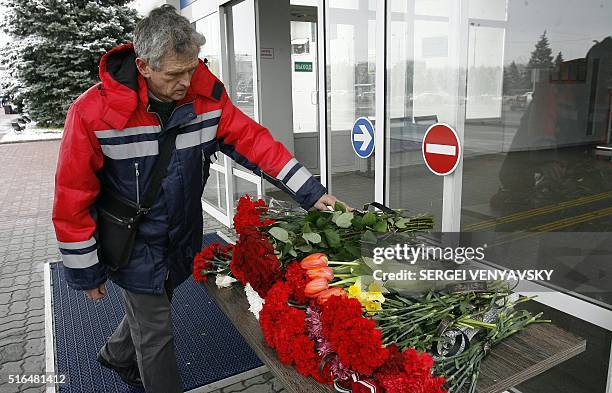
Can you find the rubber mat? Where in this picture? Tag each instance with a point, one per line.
(208, 347)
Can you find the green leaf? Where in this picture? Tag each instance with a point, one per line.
(312, 237)
(353, 250)
(401, 222)
(344, 220)
(380, 226)
(322, 221)
(287, 250)
(369, 237)
(292, 252)
(369, 219)
(332, 237)
(338, 206)
(358, 222)
(279, 234)
(306, 228)
(305, 248)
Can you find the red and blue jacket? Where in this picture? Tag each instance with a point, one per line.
(111, 137)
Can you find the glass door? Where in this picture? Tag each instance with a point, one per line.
(214, 198)
(304, 66)
(242, 83)
(350, 52)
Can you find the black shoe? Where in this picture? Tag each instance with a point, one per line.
(129, 375)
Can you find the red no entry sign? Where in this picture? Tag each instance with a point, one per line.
(441, 149)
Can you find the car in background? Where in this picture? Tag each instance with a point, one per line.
(521, 101)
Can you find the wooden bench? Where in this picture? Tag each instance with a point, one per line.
(517, 359)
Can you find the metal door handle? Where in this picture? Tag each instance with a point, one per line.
(314, 97)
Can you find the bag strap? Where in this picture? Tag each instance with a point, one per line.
(160, 170)
(380, 206)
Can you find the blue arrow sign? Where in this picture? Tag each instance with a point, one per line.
(362, 137)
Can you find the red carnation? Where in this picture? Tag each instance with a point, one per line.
(254, 262)
(249, 214)
(213, 259)
(354, 338)
(297, 278)
(202, 262)
(409, 372)
(284, 329)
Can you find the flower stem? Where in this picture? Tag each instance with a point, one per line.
(475, 323)
(345, 281)
(343, 263)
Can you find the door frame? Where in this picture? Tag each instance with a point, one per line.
(225, 165)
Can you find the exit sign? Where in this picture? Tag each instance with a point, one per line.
(303, 66)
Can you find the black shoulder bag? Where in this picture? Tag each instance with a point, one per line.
(119, 217)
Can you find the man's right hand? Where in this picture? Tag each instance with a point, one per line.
(96, 293)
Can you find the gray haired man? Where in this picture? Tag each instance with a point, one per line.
(152, 90)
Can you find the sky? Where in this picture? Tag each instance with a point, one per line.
(570, 27)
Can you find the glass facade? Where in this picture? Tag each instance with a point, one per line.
(538, 107)
(528, 87)
(538, 113)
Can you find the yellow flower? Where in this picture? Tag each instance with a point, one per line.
(354, 291)
(372, 300)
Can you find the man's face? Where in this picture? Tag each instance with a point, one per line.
(171, 81)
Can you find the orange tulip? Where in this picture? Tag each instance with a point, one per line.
(323, 296)
(314, 287)
(313, 261)
(324, 272)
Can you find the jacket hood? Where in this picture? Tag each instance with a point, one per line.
(125, 89)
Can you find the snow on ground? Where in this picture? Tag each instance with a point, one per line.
(32, 133)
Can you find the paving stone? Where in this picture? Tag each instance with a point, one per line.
(36, 303)
(259, 388)
(7, 282)
(20, 294)
(33, 389)
(12, 352)
(27, 171)
(277, 387)
(259, 379)
(5, 298)
(18, 307)
(9, 388)
(10, 368)
(237, 387)
(34, 364)
(35, 346)
(23, 280)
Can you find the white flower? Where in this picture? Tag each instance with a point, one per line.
(224, 281)
(255, 301)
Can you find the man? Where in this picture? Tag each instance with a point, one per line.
(111, 137)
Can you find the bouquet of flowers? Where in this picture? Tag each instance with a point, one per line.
(324, 314)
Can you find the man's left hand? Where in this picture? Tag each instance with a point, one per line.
(326, 201)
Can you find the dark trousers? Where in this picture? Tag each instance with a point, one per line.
(145, 336)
